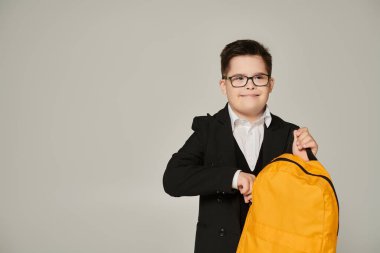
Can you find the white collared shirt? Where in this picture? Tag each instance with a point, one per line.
(249, 137)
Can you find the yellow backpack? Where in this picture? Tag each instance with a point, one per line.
(294, 209)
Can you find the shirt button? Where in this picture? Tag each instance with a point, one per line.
(221, 232)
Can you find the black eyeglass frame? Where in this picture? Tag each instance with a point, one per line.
(248, 78)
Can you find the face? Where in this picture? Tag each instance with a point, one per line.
(247, 102)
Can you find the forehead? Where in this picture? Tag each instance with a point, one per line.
(247, 64)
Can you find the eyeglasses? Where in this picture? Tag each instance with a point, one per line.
(238, 81)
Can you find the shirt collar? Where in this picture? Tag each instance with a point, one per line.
(266, 116)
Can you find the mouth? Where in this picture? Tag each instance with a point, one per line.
(249, 95)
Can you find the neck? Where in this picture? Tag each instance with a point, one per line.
(250, 117)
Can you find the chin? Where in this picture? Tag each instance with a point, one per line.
(247, 107)
(251, 107)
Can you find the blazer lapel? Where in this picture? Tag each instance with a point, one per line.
(224, 138)
(273, 139)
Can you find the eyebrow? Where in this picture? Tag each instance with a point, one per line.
(255, 74)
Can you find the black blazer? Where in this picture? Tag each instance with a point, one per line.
(205, 166)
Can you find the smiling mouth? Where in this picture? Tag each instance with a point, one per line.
(250, 95)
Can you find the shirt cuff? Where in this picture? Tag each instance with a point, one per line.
(235, 180)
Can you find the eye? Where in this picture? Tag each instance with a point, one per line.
(237, 78)
(259, 77)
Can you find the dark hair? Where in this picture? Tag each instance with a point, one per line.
(244, 47)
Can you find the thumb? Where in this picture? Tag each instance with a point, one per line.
(244, 187)
(295, 138)
(301, 152)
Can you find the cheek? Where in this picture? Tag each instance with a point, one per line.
(232, 94)
(265, 94)
(266, 98)
(223, 89)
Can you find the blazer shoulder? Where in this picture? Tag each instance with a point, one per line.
(201, 122)
(201, 126)
(282, 123)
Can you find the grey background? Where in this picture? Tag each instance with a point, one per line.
(95, 96)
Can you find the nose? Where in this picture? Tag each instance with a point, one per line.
(250, 85)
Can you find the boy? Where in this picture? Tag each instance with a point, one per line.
(220, 160)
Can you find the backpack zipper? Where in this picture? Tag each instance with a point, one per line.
(321, 176)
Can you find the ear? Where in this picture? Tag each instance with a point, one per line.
(222, 85)
(271, 84)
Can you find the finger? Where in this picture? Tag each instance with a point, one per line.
(298, 150)
(304, 129)
(295, 138)
(301, 130)
(295, 146)
(248, 184)
(244, 193)
(250, 187)
(312, 145)
(244, 187)
(302, 137)
(302, 133)
(298, 144)
(247, 198)
(306, 139)
(309, 143)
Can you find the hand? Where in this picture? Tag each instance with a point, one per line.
(303, 140)
(245, 184)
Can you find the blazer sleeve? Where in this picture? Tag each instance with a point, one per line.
(289, 145)
(187, 175)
